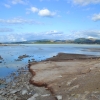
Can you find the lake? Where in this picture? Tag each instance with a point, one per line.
(38, 52)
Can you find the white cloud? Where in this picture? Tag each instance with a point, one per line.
(86, 34)
(50, 35)
(19, 21)
(34, 9)
(85, 2)
(19, 1)
(7, 6)
(6, 30)
(31, 36)
(41, 12)
(46, 13)
(12, 37)
(96, 17)
(54, 32)
(48, 0)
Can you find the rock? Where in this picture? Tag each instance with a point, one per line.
(24, 92)
(74, 87)
(87, 70)
(32, 92)
(71, 81)
(1, 92)
(60, 76)
(96, 92)
(14, 98)
(45, 95)
(33, 97)
(86, 92)
(1, 58)
(4, 93)
(59, 97)
(27, 86)
(2, 98)
(23, 56)
(2, 81)
(14, 91)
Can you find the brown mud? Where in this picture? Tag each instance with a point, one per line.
(68, 76)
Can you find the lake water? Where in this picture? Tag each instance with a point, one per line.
(38, 52)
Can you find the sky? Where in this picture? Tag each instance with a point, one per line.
(22, 20)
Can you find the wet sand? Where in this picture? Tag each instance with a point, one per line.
(68, 76)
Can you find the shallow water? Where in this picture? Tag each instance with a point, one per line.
(38, 52)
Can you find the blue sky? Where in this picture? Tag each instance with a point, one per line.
(22, 20)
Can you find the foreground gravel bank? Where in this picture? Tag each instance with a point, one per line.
(20, 88)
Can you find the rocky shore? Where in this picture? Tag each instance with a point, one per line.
(19, 88)
(62, 77)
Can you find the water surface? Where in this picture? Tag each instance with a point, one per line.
(38, 52)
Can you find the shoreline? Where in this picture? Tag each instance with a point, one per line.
(23, 89)
(37, 71)
(20, 88)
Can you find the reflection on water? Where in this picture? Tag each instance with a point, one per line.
(38, 52)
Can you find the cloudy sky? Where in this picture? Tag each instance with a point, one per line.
(22, 20)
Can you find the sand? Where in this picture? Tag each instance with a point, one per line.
(68, 76)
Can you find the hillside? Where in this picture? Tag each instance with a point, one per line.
(46, 41)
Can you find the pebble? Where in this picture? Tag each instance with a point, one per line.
(33, 97)
(59, 97)
(74, 87)
(24, 92)
(45, 95)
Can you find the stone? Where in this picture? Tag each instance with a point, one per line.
(60, 76)
(1, 92)
(45, 95)
(87, 70)
(74, 87)
(2, 98)
(33, 97)
(86, 92)
(27, 86)
(4, 93)
(95, 92)
(59, 97)
(24, 92)
(71, 81)
(14, 91)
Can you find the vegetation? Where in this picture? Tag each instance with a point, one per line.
(76, 41)
(86, 41)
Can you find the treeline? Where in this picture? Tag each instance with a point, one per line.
(45, 41)
(86, 41)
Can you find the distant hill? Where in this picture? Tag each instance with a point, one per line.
(46, 41)
(87, 41)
